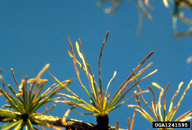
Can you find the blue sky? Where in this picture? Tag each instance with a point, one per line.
(33, 33)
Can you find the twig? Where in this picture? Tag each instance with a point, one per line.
(70, 123)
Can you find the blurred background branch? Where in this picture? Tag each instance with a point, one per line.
(143, 6)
